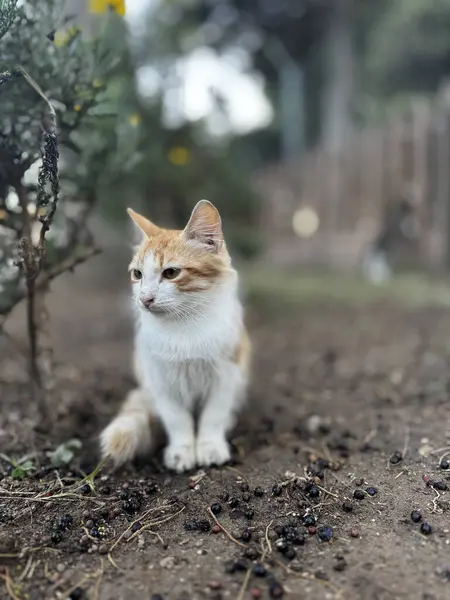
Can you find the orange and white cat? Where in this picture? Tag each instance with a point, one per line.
(191, 347)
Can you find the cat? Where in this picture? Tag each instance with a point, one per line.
(192, 350)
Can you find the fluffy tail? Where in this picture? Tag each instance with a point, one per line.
(129, 434)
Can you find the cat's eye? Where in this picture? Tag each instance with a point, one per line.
(170, 273)
(136, 274)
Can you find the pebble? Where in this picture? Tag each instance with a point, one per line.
(258, 491)
(89, 524)
(255, 592)
(355, 533)
(224, 496)
(296, 566)
(168, 562)
(103, 549)
(309, 521)
(60, 568)
(347, 506)
(216, 529)
(156, 597)
(127, 534)
(359, 481)
(246, 497)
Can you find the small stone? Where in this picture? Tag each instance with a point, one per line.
(216, 529)
(224, 496)
(312, 530)
(57, 537)
(359, 482)
(245, 487)
(246, 497)
(233, 502)
(426, 529)
(341, 564)
(252, 553)
(355, 533)
(290, 553)
(258, 491)
(359, 495)
(86, 514)
(89, 524)
(156, 597)
(255, 592)
(416, 516)
(103, 549)
(167, 563)
(440, 485)
(314, 492)
(325, 534)
(246, 535)
(60, 568)
(127, 535)
(84, 540)
(296, 566)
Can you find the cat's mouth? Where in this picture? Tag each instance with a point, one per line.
(153, 309)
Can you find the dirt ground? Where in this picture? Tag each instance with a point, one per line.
(346, 396)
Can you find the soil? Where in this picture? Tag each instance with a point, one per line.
(345, 397)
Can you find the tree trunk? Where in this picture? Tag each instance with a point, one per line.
(340, 79)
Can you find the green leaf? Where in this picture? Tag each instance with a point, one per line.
(64, 453)
(18, 473)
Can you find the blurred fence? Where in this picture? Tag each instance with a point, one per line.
(345, 193)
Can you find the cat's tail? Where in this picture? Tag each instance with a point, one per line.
(129, 434)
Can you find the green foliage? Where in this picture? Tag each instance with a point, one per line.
(21, 466)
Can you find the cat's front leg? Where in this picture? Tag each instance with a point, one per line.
(218, 415)
(178, 421)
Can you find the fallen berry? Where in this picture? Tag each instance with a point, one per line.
(444, 464)
(426, 529)
(325, 534)
(312, 530)
(234, 502)
(359, 495)
(246, 535)
(76, 594)
(277, 490)
(259, 570)
(258, 491)
(255, 593)
(282, 546)
(214, 585)
(276, 590)
(249, 514)
(440, 485)
(416, 516)
(396, 458)
(216, 529)
(85, 489)
(136, 526)
(314, 492)
(157, 597)
(57, 537)
(309, 520)
(245, 487)
(371, 491)
(216, 508)
(290, 553)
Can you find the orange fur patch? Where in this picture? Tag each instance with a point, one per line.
(242, 351)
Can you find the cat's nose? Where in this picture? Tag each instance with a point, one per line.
(147, 301)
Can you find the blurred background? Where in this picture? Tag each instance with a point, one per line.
(320, 129)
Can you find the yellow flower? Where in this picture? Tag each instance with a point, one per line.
(64, 36)
(77, 107)
(97, 82)
(3, 214)
(134, 119)
(179, 156)
(102, 6)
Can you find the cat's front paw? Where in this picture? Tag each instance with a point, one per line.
(179, 457)
(212, 451)
(119, 441)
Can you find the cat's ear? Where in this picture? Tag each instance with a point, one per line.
(204, 228)
(142, 223)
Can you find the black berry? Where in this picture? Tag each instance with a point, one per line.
(359, 495)
(246, 535)
(371, 491)
(276, 590)
(259, 570)
(76, 594)
(396, 458)
(216, 508)
(325, 534)
(426, 529)
(57, 537)
(347, 506)
(95, 532)
(282, 546)
(156, 597)
(416, 516)
(203, 525)
(444, 464)
(277, 490)
(440, 485)
(245, 487)
(259, 492)
(85, 489)
(309, 521)
(234, 502)
(249, 514)
(314, 491)
(290, 553)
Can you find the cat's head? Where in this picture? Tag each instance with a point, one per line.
(175, 273)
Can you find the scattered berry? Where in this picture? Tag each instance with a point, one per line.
(76, 594)
(216, 508)
(136, 526)
(251, 553)
(426, 529)
(312, 530)
(440, 485)
(131, 505)
(277, 490)
(57, 537)
(276, 590)
(314, 492)
(255, 592)
(282, 546)
(246, 535)
(157, 597)
(290, 553)
(234, 502)
(249, 514)
(259, 570)
(396, 457)
(94, 532)
(214, 585)
(309, 521)
(372, 491)
(359, 495)
(325, 534)
(65, 522)
(216, 529)
(245, 487)
(444, 464)
(85, 489)
(259, 492)
(416, 516)
(347, 506)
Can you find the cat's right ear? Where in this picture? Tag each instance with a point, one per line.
(142, 223)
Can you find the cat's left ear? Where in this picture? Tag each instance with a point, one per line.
(205, 227)
(142, 223)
